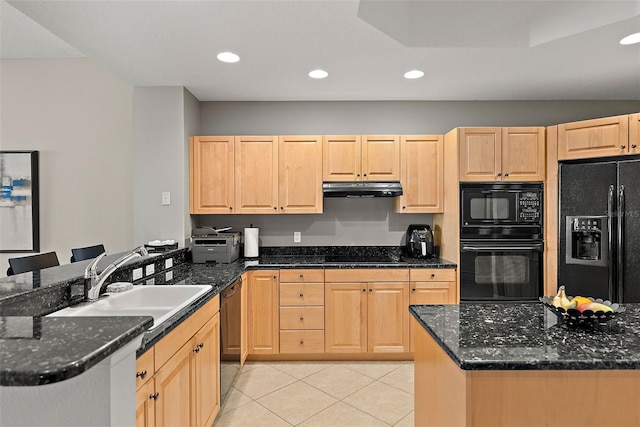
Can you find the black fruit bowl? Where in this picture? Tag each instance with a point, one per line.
(573, 317)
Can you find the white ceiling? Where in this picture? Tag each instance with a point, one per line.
(469, 50)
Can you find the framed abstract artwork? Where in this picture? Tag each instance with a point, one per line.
(19, 202)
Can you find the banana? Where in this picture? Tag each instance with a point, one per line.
(557, 300)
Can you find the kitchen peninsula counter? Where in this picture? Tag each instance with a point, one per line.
(27, 337)
(515, 364)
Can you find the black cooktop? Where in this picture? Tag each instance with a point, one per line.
(357, 259)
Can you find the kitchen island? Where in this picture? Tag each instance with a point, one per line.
(515, 365)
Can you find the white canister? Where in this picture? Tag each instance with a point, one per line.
(251, 242)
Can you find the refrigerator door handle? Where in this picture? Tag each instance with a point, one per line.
(620, 251)
(610, 216)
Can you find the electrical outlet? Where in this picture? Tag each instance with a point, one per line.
(168, 263)
(297, 237)
(150, 282)
(166, 198)
(137, 273)
(149, 269)
(168, 276)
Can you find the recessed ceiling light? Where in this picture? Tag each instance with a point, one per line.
(228, 57)
(413, 74)
(631, 39)
(318, 74)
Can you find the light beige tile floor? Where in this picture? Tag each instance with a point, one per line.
(320, 394)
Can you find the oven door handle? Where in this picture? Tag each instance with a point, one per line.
(537, 247)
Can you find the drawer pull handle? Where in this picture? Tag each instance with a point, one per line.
(142, 374)
(154, 396)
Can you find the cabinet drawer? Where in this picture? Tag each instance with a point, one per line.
(301, 276)
(145, 367)
(301, 317)
(367, 275)
(301, 294)
(433, 275)
(301, 341)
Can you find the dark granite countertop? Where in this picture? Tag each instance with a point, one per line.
(37, 349)
(529, 337)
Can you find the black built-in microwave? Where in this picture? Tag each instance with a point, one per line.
(501, 210)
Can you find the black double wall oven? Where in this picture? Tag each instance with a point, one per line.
(501, 242)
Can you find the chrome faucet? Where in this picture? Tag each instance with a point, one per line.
(94, 281)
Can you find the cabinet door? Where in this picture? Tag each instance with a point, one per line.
(480, 154)
(380, 158)
(346, 318)
(300, 172)
(388, 323)
(211, 174)
(256, 180)
(523, 154)
(634, 133)
(421, 174)
(145, 405)
(263, 312)
(206, 377)
(174, 402)
(341, 158)
(593, 138)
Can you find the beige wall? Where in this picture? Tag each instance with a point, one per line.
(79, 116)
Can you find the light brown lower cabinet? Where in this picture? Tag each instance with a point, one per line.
(366, 311)
(263, 329)
(183, 388)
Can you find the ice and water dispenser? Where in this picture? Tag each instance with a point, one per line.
(587, 240)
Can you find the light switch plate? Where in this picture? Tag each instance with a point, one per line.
(137, 273)
(297, 237)
(166, 198)
(168, 276)
(168, 263)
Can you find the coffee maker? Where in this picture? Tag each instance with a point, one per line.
(419, 241)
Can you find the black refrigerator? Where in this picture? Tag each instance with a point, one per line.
(599, 253)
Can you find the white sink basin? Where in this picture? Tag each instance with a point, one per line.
(160, 302)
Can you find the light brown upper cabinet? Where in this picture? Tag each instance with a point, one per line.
(361, 158)
(256, 183)
(634, 133)
(300, 174)
(502, 154)
(421, 174)
(595, 138)
(211, 174)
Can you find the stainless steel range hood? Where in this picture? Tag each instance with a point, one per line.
(362, 189)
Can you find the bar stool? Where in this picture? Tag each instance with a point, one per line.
(89, 252)
(32, 262)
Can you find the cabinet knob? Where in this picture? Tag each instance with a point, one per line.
(274, 277)
(364, 290)
(302, 276)
(230, 208)
(622, 147)
(275, 208)
(413, 289)
(196, 350)
(370, 290)
(433, 275)
(154, 396)
(506, 174)
(301, 342)
(404, 207)
(142, 374)
(281, 207)
(201, 345)
(499, 173)
(633, 145)
(301, 319)
(365, 174)
(301, 295)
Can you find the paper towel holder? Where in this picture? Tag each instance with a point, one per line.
(251, 242)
